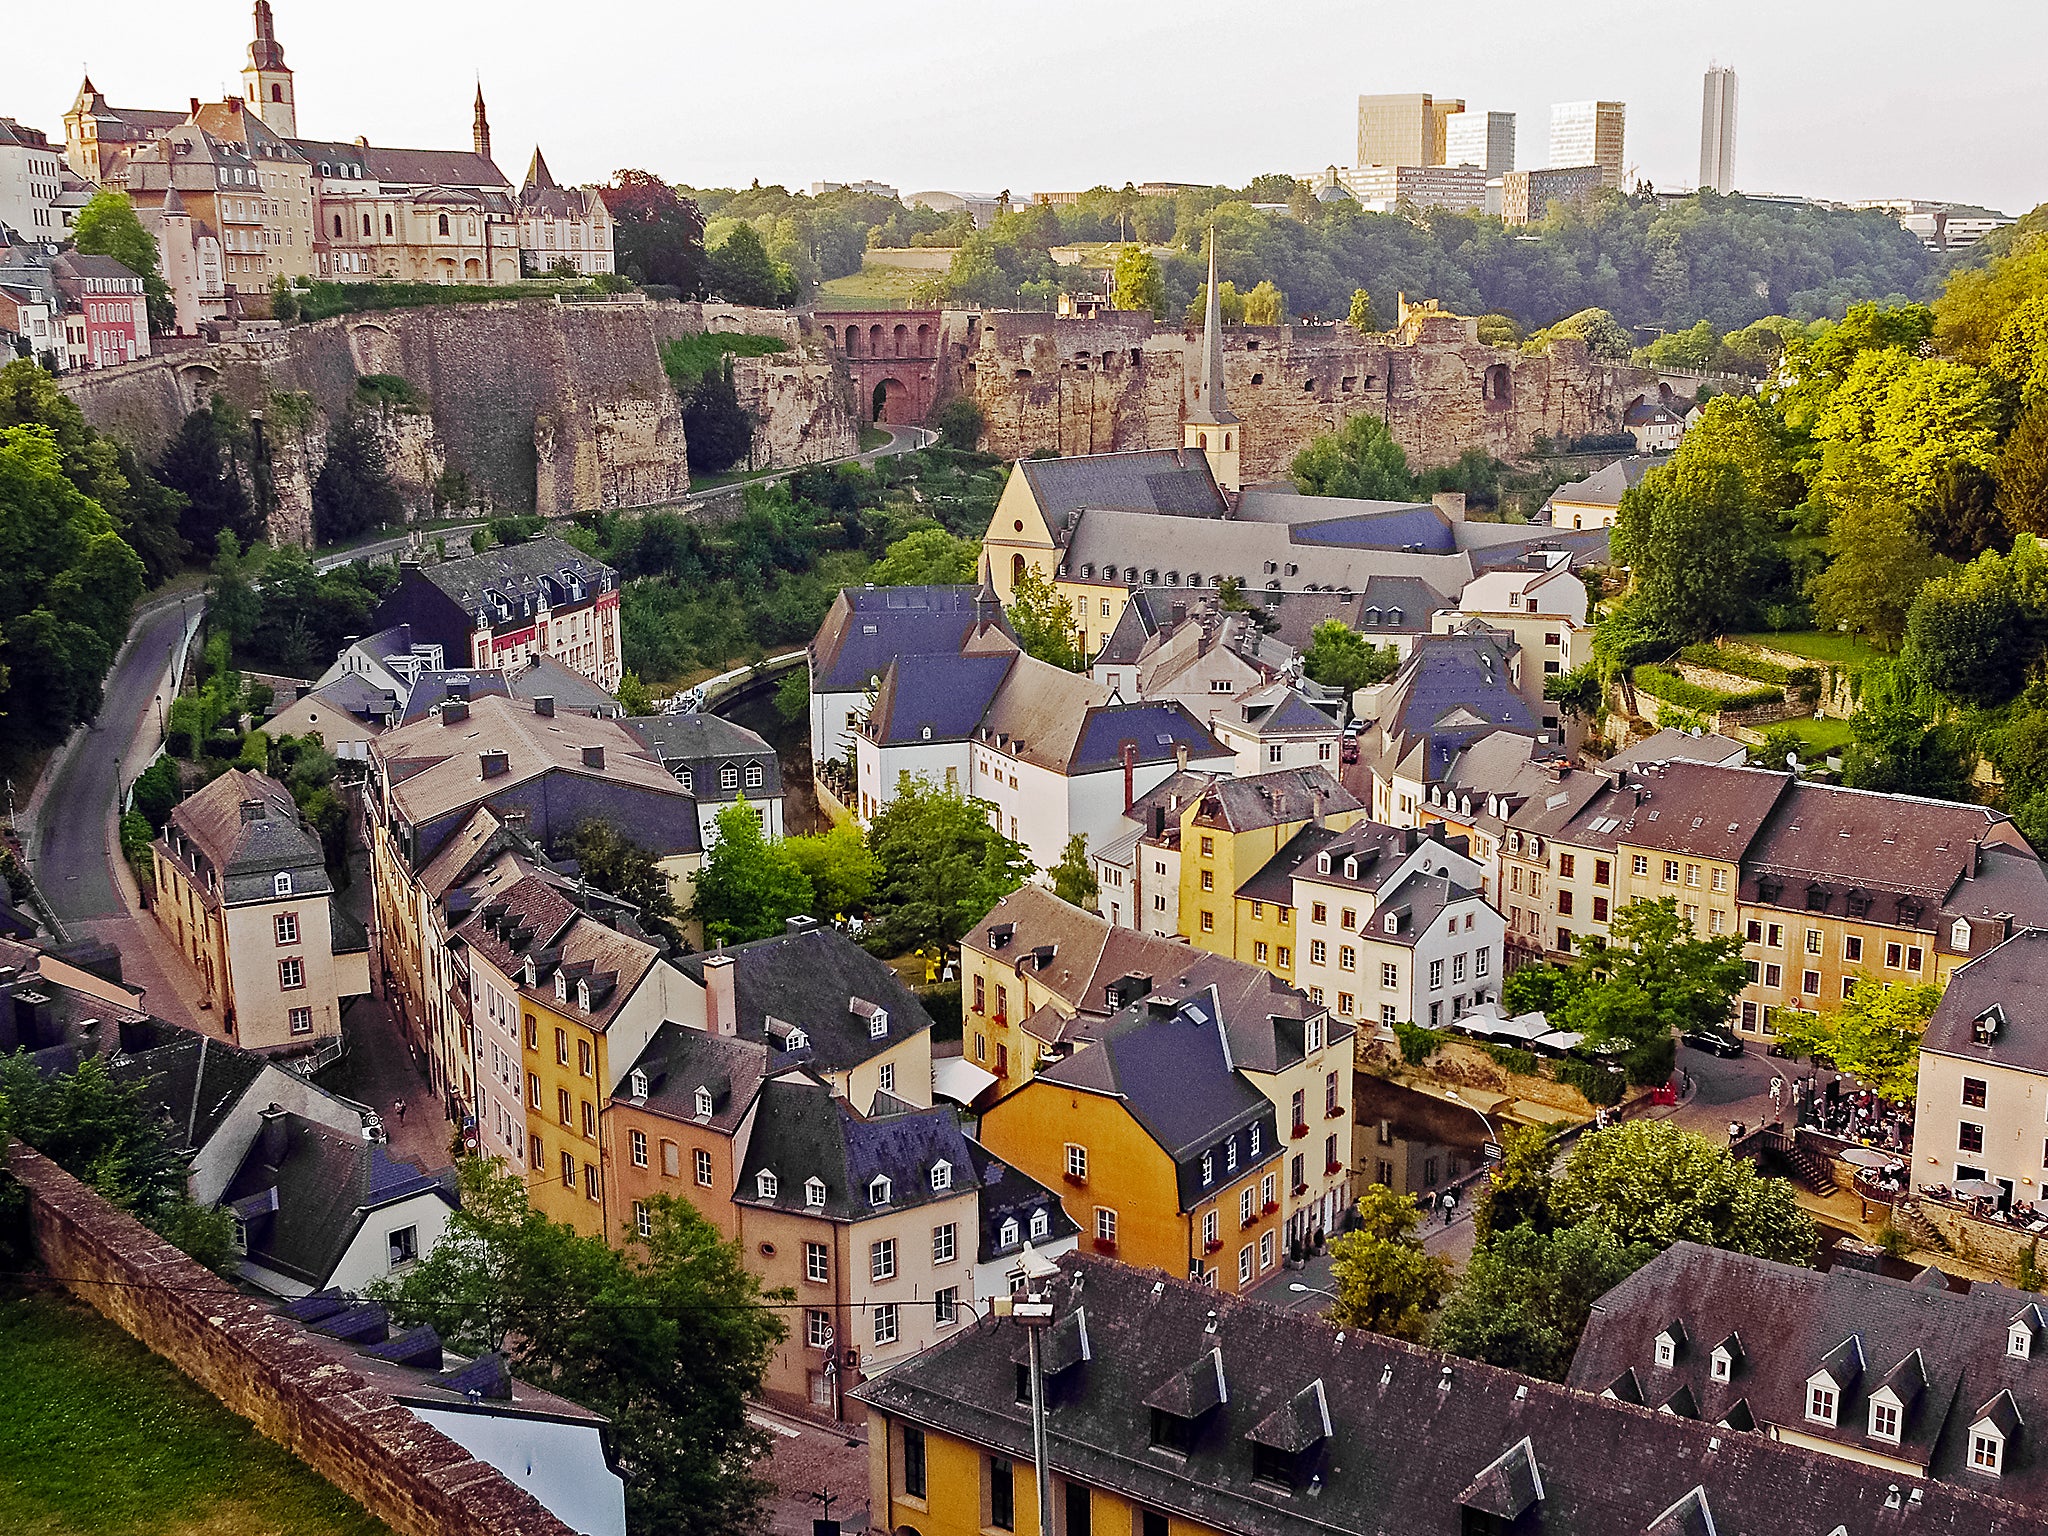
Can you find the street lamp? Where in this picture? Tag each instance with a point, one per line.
(1313, 1290)
(1034, 1310)
(1491, 1139)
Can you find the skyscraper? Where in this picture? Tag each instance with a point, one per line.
(1717, 130)
(1481, 138)
(1589, 133)
(1403, 130)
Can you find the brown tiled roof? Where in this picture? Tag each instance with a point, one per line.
(533, 920)
(1694, 808)
(1087, 952)
(1893, 843)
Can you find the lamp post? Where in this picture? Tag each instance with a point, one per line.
(1034, 1310)
(1491, 1139)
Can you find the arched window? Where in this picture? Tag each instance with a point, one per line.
(277, 93)
(366, 226)
(444, 224)
(337, 226)
(1226, 440)
(387, 225)
(1016, 569)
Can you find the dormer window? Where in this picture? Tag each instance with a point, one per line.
(1726, 1356)
(1391, 923)
(2019, 1343)
(1987, 1451)
(1667, 1348)
(1351, 869)
(638, 1084)
(814, 1193)
(1959, 935)
(281, 885)
(1884, 1421)
(1208, 1169)
(766, 1185)
(1822, 1401)
(561, 987)
(942, 1175)
(1006, 1235)
(583, 996)
(703, 1102)
(1041, 1223)
(688, 780)
(878, 1026)
(878, 1190)
(1322, 863)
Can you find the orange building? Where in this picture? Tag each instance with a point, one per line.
(677, 1125)
(1163, 1152)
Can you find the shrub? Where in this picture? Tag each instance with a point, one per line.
(1417, 1043)
(320, 301)
(389, 389)
(1740, 663)
(1522, 1063)
(689, 359)
(1664, 684)
(959, 422)
(1600, 1086)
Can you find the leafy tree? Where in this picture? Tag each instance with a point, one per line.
(1073, 878)
(749, 887)
(1497, 330)
(719, 431)
(1874, 1036)
(927, 557)
(1973, 633)
(1265, 305)
(1363, 318)
(1652, 975)
(108, 226)
(1045, 622)
(657, 234)
(1359, 459)
(621, 867)
(1880, 564)
(1699, 534)
(1385, 1281)
(1576, 693)
(1914, 416)
(157, 792)
(1604, 336)
(353, 492)
(1136, 281)
(1340, 657)
(1647, 1181)
(2022, 474)
(199, 463)
(840, 868)
(1229, 302)
(633, 696)
(959, 423)
(668, 1340)
(1516, 1192)
(793, 694)
(742, 271)
(1526, 1295)
(943, 865)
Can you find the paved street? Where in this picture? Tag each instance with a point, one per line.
(809, 1459)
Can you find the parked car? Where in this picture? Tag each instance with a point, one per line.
(1351, 751)
(1712, 1040)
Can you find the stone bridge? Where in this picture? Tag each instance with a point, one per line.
(893, 356)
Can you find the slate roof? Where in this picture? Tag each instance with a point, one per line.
(192, 1083)
(1451, 690)
(534, 921)
(1278, 710)
(1377, 848)
(905, 621)
(1210, 548)
(1671, 746)
(679, 1060)
(520, 573)
(809, 977)
(701, 744)
(247, 852)
(2011, 978)
(326, 1184)
(1170, 480)
(1008, 1194)
(1412, 1431)
(356, 696)
(1271, 799)
(1420, 529)
(803, 1132)
(543, 677)
(946, 694)
(1157, 731)
(1867, 1331)
(1697, 809)
(1263, 1017)
(1604, 487)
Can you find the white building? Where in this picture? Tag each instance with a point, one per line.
(1717, 130)
(1590, 133)
(1274, 727)
(31, 177)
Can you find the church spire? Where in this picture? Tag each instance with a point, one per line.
(1211, 427)
(480, 129)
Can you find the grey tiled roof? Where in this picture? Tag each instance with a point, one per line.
(1604, 487)
(802, 1132)
(1009, 1193)
(248, 850)
(520, 571)
(868, 627)
(1168, 480)
(679, 1060)
(1411, 1432)
(2013, 979)
(701, 745)
(190, 1083)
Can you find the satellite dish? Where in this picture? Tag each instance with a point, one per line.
(1792, 761)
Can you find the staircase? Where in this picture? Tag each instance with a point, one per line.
(1919, 1231)
(1811, 1170)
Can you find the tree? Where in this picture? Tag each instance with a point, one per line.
(927, 557)
(1647, 1181)
(1517, 1189)
(2022, 473)
(1652, 975)
(1229, 303)
(1073, 878)
(157, 792)
(718, 430)
(1385, 1281)
(353, 492)
(1359, 459)
(1604, 336)
(1577, 693)
(1874, 1036)
(1136, 281)
(742, 271)
(1914, 416)
(1526, 1296)
(657, 234)
(199, 464)
(108, 226)
(793, 694)
(1363, 318)
(668, 1340)
(633, 696)
(1340, 657)
(1879, 566)
(943, 865)
(749, 887)
(959, 423)
(620, 867)
(1973, 633)
(1265, 305)
(1044, 621)
(840, 868)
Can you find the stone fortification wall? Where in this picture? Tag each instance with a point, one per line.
(552, 407)
(1119, 381)
(412, 1477)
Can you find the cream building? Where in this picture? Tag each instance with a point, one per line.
(1983, 1093)
(242, 888)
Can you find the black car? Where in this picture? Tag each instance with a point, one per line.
(1712, 1040)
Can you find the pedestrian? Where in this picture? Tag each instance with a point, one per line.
(1450, 1204)
(399, 1108)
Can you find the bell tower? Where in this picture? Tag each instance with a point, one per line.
(1211, 427)
(267, 80)
(480, 125)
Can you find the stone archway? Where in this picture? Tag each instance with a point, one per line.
(890, 403)
(375, 348)
(195, 384)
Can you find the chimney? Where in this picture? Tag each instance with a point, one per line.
(1451, 504)
(544, 705)
(271, 1138)
(458, 690)
(255, 810)
(802, 924)
(1316, 795)
(721, 1004)
(454, 712)
(195, 106)
(593, 757)
(493, 764)
(1129, 753)
(1180, 757)
(300, 690)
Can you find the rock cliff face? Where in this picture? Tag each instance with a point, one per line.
(548, 407)
(1119, 382)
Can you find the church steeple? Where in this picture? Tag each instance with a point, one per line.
(480, 129)
(267, 79)
(1211, 426)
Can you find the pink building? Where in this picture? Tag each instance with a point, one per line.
(106, 318)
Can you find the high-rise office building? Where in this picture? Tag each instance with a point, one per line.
(1717, 130)
(1403, 130)
(1589, 133)
(1481, 138)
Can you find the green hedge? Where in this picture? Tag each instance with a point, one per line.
(1662, 683)
(1523, 1063)
(322, 301)
(1742, 664)
(689, 358)
(1417, 1043)
(1600, 1086)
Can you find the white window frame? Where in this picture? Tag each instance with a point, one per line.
(882, 1260)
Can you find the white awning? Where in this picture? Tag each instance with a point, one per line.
(958, 1079)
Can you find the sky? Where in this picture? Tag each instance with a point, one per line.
(1840, 99)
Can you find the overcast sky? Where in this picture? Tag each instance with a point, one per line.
(1839, 98)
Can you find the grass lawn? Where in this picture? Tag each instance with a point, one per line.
(1830, 735)
(105, 1439)
(871, 287)
(872, 438)
(1833, 648)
